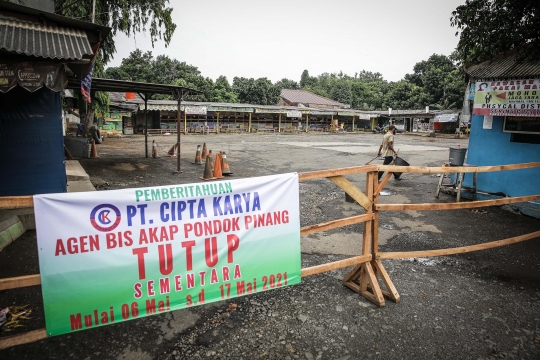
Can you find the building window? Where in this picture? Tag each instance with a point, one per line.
(525, 138)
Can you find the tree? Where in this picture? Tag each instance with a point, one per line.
(440, 81)
(223, 91)
(306, 80)
(341, 92)
(287, 84)
(127, 16)
(489, 27)
(260, 91)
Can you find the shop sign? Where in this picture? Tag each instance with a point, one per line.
(330, 113)
(270, 111)
(195, 110)
(32, 76)
(446, 117)
(508, 97)
(231, 109)
(294, 113)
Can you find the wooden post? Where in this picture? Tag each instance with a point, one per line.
(362, 278)
(279, 123)
(391, 291)
(185, 120)
(249, 123)
(217, 122)
(307, 122)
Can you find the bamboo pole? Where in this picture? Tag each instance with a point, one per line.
(15, 202)
(352, 191)
(26, 338)
(457, 169)
(335, 224)
(336, 172)
(458, 250)
(19, 282)
(454, 206)
(313, 270)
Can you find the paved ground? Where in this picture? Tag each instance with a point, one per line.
(477, 305)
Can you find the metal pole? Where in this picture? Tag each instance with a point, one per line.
(146, 124)
(94, 11)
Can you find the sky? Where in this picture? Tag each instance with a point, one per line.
(281, 38)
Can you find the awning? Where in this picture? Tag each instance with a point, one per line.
(53, 42)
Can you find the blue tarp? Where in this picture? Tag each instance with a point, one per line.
(31, 143)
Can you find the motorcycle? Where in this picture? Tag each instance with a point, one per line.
(379, 130)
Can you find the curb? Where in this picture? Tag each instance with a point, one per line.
(10, 230)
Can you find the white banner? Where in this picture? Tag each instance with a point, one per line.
(294, 113)
(111, 256)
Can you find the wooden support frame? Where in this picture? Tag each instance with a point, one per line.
(368, 269)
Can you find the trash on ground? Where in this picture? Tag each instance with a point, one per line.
(385, 193)
(15, 315)
(479, 211)
(3, 316)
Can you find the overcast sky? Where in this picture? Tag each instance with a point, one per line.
(280, 38)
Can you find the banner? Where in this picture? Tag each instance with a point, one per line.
(294, 113)
(194, 109)
(86, 81)
(510, 97)
(111, 256)
(86, 84)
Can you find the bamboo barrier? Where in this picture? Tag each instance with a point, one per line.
(368, 269)
(16, 202)
(458, 250)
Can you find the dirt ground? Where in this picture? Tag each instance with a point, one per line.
(479, 305)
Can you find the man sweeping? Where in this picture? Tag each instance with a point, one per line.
(387, 150)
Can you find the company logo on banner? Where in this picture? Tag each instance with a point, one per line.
(507, 97)
(125, 254)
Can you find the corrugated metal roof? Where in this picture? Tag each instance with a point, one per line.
(305, 97)
(504, 65)
(52, 42)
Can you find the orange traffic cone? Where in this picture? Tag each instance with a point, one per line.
(172, 150)
(211, 160)
(217, 167)
(208, 170)
(93, 150)
(204, 153)
(198, 160)
(225, 170)
(155, 154)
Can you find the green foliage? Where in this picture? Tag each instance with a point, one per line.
(143, 67)
(287, 84)
(260, 91)
(435, 82)
(126, 16)
(489, 27)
